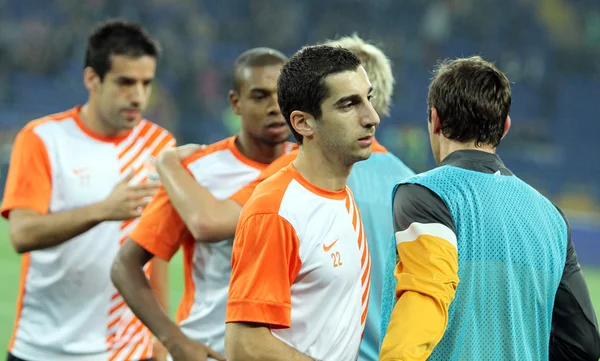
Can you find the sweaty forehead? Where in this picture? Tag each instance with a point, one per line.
(263, 77)
(143, 67)
(347, 83)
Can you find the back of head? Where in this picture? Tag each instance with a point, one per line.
(378, 67)
(301, 85)
(472, 98)
(118, 37)
(255, 57)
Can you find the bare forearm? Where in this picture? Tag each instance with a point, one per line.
(208, 219)
(245, 343)
(135, 289)
(32, 231)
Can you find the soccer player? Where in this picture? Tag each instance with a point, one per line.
(76, 185)
(300, 264)
(521, 295)
(223, 168)
(371, 182)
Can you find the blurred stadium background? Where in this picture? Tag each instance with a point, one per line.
(550, 50)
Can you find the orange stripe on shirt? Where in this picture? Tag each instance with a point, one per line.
(361, 236)
(155, 134)
(141, 344)
(365, 263)
(116, 308)
(365, 274)
(158, 140)
(145, 129)
(125, 344)
(148, 351)
(126, 223)
(113, 323)
(161, 145)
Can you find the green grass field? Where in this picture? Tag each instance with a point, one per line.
(10, 266)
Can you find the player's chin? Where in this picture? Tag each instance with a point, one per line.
(365, 154)
(361, 154)
(130, 122)
(275, 140)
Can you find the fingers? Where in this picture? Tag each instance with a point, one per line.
(212, 353)
(142, 194)
(140, 203)
(187, 150)
(145, 187)
(128, 177)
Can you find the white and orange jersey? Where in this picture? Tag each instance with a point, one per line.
(301, 265)
(223, 170)
(68, 308)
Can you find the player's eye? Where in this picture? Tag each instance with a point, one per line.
(125, 82)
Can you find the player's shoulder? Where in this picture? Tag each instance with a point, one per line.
(378, 148)
(148, 124)
(379, 152)
(210, 149)
(269, 194)
(153, 136)
(279, 163)
(34, 124)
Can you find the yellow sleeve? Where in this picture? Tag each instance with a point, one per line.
(427, 275)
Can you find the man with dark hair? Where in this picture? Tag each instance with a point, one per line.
(300, 279)
(371, 182)
(521, 295)
(76, 186)
(223, 168)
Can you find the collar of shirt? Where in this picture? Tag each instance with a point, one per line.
(476, 160)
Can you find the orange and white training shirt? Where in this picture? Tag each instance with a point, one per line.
(301, 265)
(223, 170)
(67, 308)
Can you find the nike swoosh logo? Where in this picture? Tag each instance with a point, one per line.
(327, 248)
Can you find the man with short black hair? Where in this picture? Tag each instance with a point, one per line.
(76, 186)
(300, 238)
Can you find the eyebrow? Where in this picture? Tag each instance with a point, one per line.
(132, 80)
(262, 90)
(350, 98)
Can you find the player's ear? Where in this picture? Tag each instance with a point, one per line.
(434, 122)
(91, 80)
(303, 123)
(234, 101)
(507, 125)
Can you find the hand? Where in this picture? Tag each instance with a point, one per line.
(179, 153)
(159, 351)
(189, 350)
(126, 201)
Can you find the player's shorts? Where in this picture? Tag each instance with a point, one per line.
(11, 357)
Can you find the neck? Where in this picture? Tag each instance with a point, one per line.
(90, 117)
(323, 172)
(256, 150)
(449, 147)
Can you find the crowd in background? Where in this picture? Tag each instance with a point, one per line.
(550, 50)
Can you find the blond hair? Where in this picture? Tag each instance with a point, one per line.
(378, 67)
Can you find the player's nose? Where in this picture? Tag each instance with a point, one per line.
(370, 117)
